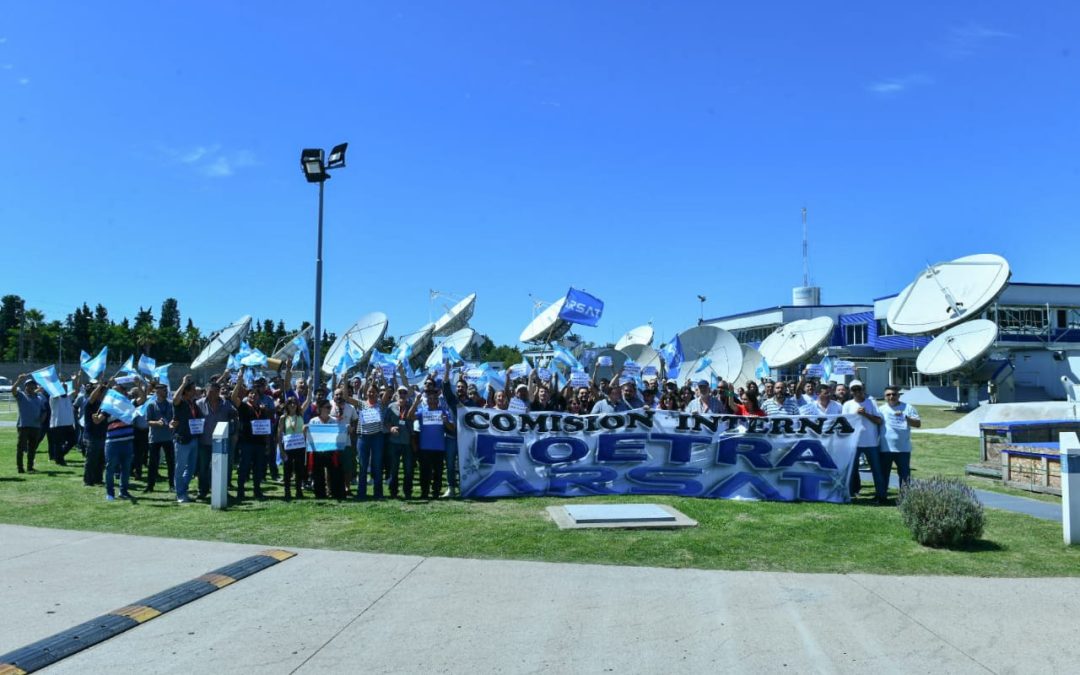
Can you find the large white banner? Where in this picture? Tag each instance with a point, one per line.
(512, 454)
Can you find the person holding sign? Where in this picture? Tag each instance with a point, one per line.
(187, 426)
(434, 420)
(895, 444)
(327, 437)
(254, 436)
(291, 431)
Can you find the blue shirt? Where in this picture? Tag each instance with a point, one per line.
(31, 410)
(160, 410)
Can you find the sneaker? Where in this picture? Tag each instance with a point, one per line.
(447, 493)
(126, 495)
(183, 500)
(110, 498)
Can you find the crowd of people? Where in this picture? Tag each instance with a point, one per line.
(389, 427)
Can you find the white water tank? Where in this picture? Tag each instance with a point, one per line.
(806, 296)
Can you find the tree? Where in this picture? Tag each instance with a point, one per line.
(34, 320)
(192, 340)
(100, 329)
(170, 314)
(11, 316)
(488, 351)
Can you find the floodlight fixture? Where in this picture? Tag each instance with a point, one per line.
(311, 161)
(337, 156)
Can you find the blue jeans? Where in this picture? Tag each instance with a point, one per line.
(903, 469)
(451, 464)
(872, 458)
(186, 456)
(118, 458)
(371, 451)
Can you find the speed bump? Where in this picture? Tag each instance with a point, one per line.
(73, 640)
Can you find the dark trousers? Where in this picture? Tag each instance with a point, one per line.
(29, 437)
(871, 454)
(903, 469)
(117, 461)
(203, 467)
(61, 440)
(327, 468)
(431, 468)
(95, 461)
(155, 460)
(271, 461)
(252, 457)
(395, 453)
(142, 452)
(295, 470)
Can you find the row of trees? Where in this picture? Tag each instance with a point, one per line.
(27, 336)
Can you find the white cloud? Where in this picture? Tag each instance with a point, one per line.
(897, 85)
(195, 154)
(967, 39)
(7, 66)
(210, 160)
(24, 81)
(3, 40)
(219, 168)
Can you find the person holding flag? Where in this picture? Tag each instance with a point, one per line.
(117, 412)
(31, 418)
(433, 418)
(61, 431)
(187, 426)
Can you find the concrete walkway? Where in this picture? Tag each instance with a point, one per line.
(328, 611)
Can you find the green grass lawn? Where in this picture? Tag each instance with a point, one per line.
(733, 535)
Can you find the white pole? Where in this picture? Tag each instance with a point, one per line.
(1070, 487)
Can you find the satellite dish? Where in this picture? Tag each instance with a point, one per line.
(957, 348)
(288, 350)
(367, 332)
(457, 317)
(642, 335)
(224, 342)
(714, 350)
(460, 340)
(617, 360)
(751, 359)
(643, 355)
(948, 293)
(795, 341)
(421, 342)
(547, 325)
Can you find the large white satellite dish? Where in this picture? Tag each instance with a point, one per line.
(709, 350)
(957, 347)
(547, 325)
(421, 342)
(460, 340)
(642, 335)
(751, 359)
(224, 342)
(948, 293)
(457, 317)
(795, 341)
(365, 334)
(643, 355)
(289, 349)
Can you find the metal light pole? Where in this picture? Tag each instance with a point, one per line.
(315, 171)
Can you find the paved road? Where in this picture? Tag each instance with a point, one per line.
(328, 611)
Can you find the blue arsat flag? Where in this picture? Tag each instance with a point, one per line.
(580, 307)
(327, 437)
(563, 355)
(673, 354)
(49, 381)
(118, 405)
(94, 367)
(146, 365)
(380, 359)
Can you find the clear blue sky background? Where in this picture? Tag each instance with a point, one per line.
(645, 151)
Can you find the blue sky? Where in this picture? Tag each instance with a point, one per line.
(647, 152)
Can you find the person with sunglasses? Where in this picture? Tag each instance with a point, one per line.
(433, 418)
(868, 423)
(291, 438)
(895, 448)
(399, 442)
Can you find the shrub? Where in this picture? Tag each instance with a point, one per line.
(941, 512)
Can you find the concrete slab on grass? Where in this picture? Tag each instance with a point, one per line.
(623, 516)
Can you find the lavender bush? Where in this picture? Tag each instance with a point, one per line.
(941, 512)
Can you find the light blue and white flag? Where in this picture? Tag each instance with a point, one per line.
(704, 363)
(49, 381)
(249, 379)
(244, 350)
(146, 365)
(327, 437)
(402, 352)
(345, 362)
(563, 355)
(763, 370)
(161, 374)
(118, 405)
(380, 359)
(129, 366)
(296, 360)
(253, 358)
(233, 363)
(449, 352)
(826, 367)
(673, 355)
(302, 349)
(94, 367)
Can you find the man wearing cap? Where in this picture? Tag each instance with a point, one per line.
(869, 419)
(31, 418)
(900, 418)
(705, 403)
(214, 409)
(159, 415)
(400, 442)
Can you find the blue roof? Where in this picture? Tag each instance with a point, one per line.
(769, 309)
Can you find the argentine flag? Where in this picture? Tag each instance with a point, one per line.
(161, 374)
(401, 352)
(563, 355)
(449, 352)
(327, 437)
(233, 363)
(380, 359)
(762, 370)
(673, 355)
(94, 367)
(253, 358)
(146, 365)
(118, 405)
(129, 366)
(302, 349)
(49, 381)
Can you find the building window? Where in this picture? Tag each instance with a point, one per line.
(757, 334)
(855, 334)
(1068, 319)
(1022, 320)
(904, 373)
(884, 329)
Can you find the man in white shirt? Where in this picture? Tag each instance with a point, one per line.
(823, 404)
(869, 418)
(900, 419)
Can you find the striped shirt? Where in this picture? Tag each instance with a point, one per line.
(788, 407)
(368, 424)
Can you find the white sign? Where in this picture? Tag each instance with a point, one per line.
(387, 372)
(260, 427)
(195, 426)
(293, 441)
(631, 369)
(843, 367)
(579, 378)
(603, 361)
(370, 416)
(517, 405)
(433, 417)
